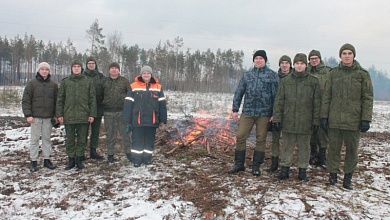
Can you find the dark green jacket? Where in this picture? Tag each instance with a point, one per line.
(282, 75)
(39, 98)
(297, 104)
(76, 99)
(348, 97)
(97, 77)
(115, 91)
(321, 72)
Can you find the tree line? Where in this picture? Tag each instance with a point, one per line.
(177, 69)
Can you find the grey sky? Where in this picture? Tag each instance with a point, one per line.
(277, 26)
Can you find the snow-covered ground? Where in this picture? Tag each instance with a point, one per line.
(176, 187)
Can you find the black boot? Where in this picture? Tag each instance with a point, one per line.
(284, 173)
(128, 157)
(302, 174)
(239, 162)
(71, 163)
(79, 163)
(110, 158)
(347, 181)
(313, 154)
(47, 163)
(332, 179)
(34, 166)
(274, 164)
(82, 158)
(258, 159)
(322, 157)
(94, 155)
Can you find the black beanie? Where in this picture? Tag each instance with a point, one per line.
(114, 64)
(300, 57)
(315, 53)
(285, 58)
(261, 53)
(347, 47)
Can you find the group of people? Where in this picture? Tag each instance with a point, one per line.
(311, 106)
(81, 101)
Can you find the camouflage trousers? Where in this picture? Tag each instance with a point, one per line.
(93, 132)
(245, 126)
(336, 139)
(76, 138)
(112, 124)
(321, 139)
(275, 147)
(303, 143)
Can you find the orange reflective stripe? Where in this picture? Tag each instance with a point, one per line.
(139, 118)
(154, 117)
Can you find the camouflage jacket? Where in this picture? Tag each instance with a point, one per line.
(39, 98)
(114, 93)
(282, 75)
(259, 86)
(321, 72)
(76, 99)
(297, 104)
(348, 97)
(97, 77)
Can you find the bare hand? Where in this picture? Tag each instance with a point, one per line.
(235, 116)
(30, 120)
(61, 119)
(90, 119)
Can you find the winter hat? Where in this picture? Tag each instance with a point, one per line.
(114, 64)
(300, 57)
(347, 47)
(43, 64)
(261, 53)
(285, 58)
(315, 53)
(90, 58)
(77, 62)
(146, 68)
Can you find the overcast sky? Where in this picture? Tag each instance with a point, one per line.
(277, 26)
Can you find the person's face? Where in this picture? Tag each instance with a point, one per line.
(314, 60)
(259, 61)
(285, 66)
(299, 67)
(76, 69)
(114, 72)
(91, 65)
(44, 72)
(347, 57)
(146, 75)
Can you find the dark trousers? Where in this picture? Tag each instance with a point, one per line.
(143, 144)
(94, 132)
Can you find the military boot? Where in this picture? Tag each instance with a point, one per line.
(274, 164)
(284, 173)
(347, 181)
(313, 154)
(321, 157)
(71, 163)
(302, 174)
(47, 163)
(79, 163)
(110, 158)
(258, 159)
(239, 162)
(94, 155)
(332, 179)
(128, 157)
(34, 166)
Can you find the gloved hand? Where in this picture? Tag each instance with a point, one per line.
(364, 126)
(278, 126)
(324, 124)
(314, 129)
(269, 126)
(128, 128)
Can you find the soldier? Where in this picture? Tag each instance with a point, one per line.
(115, 88)
(284, 69)
(96, 77)
(76, 108)
(259, 86)
(347, 107)
(39, 105)
(320, 140)
(296, 114)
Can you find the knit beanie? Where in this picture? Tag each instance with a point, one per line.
(114, 64)
(347, 47)
(43, 64)
(315, 53)
(77, 62)
(261, 53)
(285, 58)
(300, 57)
(146, 68)
(90, 58)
